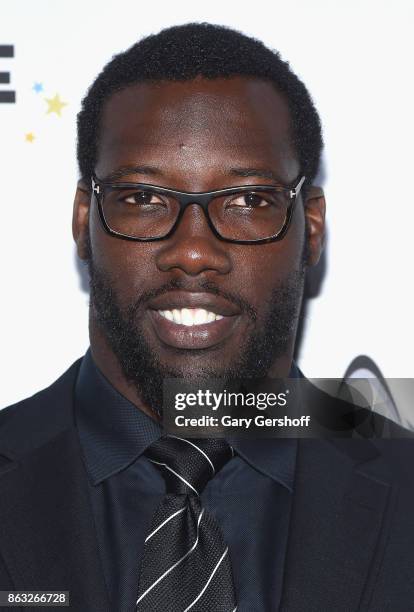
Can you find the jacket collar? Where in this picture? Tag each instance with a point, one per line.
(344, 497)
(47, 533)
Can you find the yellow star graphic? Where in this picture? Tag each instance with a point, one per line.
(29, 137)
(55, 105)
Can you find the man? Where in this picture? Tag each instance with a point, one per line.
(95, 501)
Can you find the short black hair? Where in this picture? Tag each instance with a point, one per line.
(183, 52)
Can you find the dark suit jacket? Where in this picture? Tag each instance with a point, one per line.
(351, 542)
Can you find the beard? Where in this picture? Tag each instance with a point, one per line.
(141, 367)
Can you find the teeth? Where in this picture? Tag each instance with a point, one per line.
(190, 316)
(211, 317)
(176, 315)
(186, 317)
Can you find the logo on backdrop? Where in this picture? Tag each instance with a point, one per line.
(53, 104)
(7, 96)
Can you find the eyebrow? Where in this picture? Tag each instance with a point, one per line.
(154, 171)
(126, 170)
(260, 172)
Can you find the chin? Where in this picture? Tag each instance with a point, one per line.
(192, 366)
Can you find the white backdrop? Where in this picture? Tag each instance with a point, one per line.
(356, 59)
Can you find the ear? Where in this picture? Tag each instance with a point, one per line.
(80, 219)
(315, 216)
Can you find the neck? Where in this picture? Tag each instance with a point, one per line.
(108, 364)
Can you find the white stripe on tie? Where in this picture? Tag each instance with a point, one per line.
(175, 564)
(199, 449)
(164, 523)
(208, 581)
(175, 474)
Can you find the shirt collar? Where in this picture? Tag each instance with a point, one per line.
(273, 457)
(113, 432)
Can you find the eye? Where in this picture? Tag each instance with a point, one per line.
(250, 199)
(144, 198)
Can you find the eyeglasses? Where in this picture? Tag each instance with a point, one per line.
(244, 215)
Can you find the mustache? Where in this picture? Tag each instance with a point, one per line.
(204, 285)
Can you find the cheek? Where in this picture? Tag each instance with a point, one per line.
(129, 265)
(265, 266)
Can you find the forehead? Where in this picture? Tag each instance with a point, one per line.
(202, 126)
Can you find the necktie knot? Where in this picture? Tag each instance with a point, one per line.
(188, 465)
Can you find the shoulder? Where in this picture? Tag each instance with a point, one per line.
(363, 433)
(396, 444)
(32, 421)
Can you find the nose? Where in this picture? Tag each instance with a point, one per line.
(193, 248)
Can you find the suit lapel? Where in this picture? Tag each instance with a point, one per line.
(47, 534)
(337, 530)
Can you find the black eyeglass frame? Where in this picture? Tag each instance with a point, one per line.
(203, 199)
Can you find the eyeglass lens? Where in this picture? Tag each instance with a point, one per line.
(244, 215)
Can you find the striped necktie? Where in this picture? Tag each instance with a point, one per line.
(186, 563)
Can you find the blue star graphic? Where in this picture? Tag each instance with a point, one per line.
(38, 87)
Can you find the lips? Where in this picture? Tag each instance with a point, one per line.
(192, 320)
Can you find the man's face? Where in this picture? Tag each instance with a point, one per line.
(195, 136)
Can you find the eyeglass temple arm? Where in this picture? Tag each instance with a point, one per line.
(95, 187)
(295, 191)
